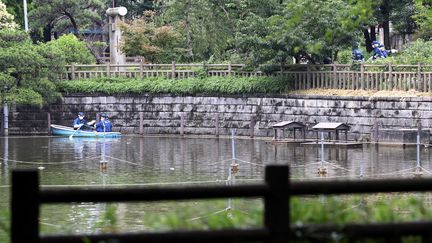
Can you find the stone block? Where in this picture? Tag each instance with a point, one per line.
(403, 136)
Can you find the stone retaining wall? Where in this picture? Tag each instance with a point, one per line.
(162, 114)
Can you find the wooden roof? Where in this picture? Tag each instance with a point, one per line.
(331, 126)
(288, 124)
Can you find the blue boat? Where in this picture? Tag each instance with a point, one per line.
(69, 131)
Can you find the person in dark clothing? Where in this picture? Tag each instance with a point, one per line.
(81, 123)
(104, 125)
(358, 55)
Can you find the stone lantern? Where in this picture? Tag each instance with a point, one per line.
(115, 15)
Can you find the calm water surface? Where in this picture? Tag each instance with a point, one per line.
(172, 161)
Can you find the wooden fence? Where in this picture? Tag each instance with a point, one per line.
(27, 198)
(332, 76)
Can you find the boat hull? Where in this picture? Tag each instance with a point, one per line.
(59, 130)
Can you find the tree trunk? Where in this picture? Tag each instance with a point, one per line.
(386, 27)
(369, 37)
(47, 33)
(189, 44)
(368, 41)
(385, 11)
(74, 25)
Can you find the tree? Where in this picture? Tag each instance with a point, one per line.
(6, 19)
(28, 71)
(72, 49)
(301, 29)
(423, 18)
(15, 7)
(136, 8)
(143, 38)
(65, 16)
(207, 26)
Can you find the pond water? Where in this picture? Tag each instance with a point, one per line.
(165, 161)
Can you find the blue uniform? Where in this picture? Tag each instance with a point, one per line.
(377, 53)
(104, 126)
(78, 121)
(358, 55)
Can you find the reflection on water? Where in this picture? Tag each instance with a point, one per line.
(175, 161)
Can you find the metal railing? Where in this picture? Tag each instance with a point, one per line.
(27, 198)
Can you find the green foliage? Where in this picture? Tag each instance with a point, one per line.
(61, 15)
(108, 220)
(345, 57)
(16, 8)
(423, 18)
(143, 38)
(6, 19)
(209, 85)
(9, 37)
(309, 29)
(136, 8)
(4, 225)
(27, 71)
(415, 52)
(72, 50)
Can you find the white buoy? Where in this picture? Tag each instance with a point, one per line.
(41, 168)
(172, 168)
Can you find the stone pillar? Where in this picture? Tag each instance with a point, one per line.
(115, 15)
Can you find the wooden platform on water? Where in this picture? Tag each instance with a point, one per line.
(335, 144)
(289, 141)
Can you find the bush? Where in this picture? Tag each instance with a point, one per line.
(72, 50)
(27, 71)
(209, 85)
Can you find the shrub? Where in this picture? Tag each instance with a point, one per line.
(210, 85)
(72, 49)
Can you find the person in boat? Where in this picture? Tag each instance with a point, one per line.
(104, 125)
(81, 123)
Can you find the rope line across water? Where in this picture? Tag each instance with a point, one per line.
(48, 163)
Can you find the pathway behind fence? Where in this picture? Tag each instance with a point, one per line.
(333, 76)
(27, 198)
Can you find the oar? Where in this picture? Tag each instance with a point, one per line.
(71, 136)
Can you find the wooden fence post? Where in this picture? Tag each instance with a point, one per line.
(276, 203)
(141, 123)
(173, 70)
(182, 124)
(229, 69)
(217, 125)
(25, 206)
(362, 79)
(335, 79)
(376, 132)
(419, 74)
(108, 72)
(73, 71)
(141, 70)
(308, 79)
(252, 126)
(390, 79)
(49, 122)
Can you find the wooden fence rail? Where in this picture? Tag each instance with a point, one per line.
(331, 76)
(27, 198)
